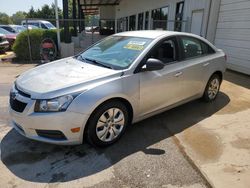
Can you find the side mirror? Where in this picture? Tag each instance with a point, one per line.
(153, 65)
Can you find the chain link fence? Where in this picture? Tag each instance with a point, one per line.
(41, 41)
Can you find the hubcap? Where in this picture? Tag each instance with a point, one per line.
(110, 124)
(213, 88)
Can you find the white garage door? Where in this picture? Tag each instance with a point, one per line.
(233, 33)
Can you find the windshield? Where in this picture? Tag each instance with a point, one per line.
(3, 31)
(117, 52)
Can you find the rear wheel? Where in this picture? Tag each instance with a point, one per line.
(212, 88)
(107, 124)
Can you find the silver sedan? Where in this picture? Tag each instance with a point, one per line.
(122, 79)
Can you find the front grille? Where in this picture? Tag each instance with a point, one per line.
(17, 105)
(51, 134)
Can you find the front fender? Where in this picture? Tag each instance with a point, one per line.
(126, 87)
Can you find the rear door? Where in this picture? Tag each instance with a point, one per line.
(195, 63)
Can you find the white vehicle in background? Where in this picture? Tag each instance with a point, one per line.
(39, 23)
(18, 28)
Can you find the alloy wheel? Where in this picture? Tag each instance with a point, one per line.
(110, 124)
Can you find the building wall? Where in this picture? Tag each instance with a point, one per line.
(131, 7)
(233, 33)
(107, 12)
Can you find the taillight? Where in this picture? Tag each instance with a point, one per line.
(225, 56)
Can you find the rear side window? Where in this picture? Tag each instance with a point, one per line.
(193, 47)
(43, 26)
(34, 23)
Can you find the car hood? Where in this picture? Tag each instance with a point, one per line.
(11, 36)
(62, 75)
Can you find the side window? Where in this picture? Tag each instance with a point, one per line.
(207, 49)
(165, 51)
(194, 47)
(191, 46)
(43, 26)
(33, 23)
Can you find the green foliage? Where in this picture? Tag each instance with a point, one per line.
(46, 12)
(21, 47)
(18, 17)
(5, 19)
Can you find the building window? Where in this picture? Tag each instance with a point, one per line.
(160, 18)
(132, 22)
(122, 24)
(146, 20)
(179, 16)
(140, 21)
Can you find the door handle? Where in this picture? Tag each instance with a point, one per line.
(206, 64)
(178, 74)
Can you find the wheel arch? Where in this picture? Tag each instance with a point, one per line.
(219, 73)
(120, 99)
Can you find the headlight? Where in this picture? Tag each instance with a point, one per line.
(58, 104)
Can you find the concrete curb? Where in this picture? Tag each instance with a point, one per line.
(196, 166)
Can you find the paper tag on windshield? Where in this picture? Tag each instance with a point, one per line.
(135, 45)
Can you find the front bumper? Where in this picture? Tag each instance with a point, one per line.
(4, 45)
(36, 126)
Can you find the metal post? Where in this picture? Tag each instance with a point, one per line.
(74, 17)
(66, 23)
(115, 25)
(57, 26)
(92, 30)
(28, 36)
(79, 15)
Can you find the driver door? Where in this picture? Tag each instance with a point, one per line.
(161, 88)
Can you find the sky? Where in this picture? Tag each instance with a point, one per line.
(11, 6)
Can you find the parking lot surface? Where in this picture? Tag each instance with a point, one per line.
(195, 145)
(146, 156)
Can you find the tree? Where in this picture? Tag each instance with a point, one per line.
(18, 17)
(5, 19)
(31, 13)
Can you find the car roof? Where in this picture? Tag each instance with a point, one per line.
(30, 21)
(153, 34)
(4, 25)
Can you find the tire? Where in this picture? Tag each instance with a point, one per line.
(107, 124)
(212, 88)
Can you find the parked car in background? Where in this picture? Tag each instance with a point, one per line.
(11, 37)
(43, 24)
(123, 79)
(18, 28)
(4, 44)
(31, 27)
(8, 28)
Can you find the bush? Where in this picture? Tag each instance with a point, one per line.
(21, 47)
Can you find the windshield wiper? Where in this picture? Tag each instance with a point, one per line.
(83, 59)
(98, 63)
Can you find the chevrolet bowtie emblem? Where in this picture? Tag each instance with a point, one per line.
(13, 95)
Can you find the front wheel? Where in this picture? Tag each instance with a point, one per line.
(212, 88)
(107, 124)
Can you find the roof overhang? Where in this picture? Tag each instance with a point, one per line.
(91, 7)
